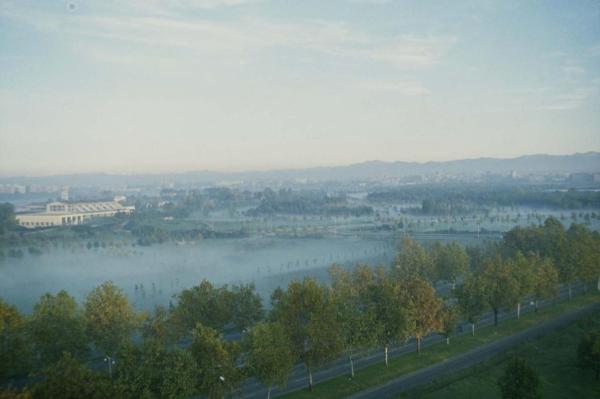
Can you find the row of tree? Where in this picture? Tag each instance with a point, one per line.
(309, 322)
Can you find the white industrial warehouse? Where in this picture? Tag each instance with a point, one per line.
(71, 213)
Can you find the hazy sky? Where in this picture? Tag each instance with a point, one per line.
(173, 85)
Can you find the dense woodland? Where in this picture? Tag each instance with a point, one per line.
(187, 349)
(461, 199)
(306, 203)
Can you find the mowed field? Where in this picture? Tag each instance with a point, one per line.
(553, 356)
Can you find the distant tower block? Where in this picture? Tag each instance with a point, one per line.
(64, 194)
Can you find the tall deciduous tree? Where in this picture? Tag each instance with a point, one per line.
(523, 269)
(157, 326)
(582, 253)
(69, 379)
(412, 260)
(110, 319)
(270, 356)
(501, 289)
(546, 279)
(216, 360)
(14, 351)
(392, 313)
(57, 326)
(246, 305)
(307, 313)
(424, 308)
(449, 318)
(471, 299)
(451, 261)
(151, 371)
(355, 315)
(202, 303)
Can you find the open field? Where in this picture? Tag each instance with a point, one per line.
(552, 356)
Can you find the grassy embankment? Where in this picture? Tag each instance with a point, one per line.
(343, 386)
(554, 357)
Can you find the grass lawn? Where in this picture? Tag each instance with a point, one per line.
(554, 357)
(343, 386)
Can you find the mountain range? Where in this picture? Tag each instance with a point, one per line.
(588, 162)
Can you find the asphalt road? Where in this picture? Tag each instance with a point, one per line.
(469, 359)
(252, 389)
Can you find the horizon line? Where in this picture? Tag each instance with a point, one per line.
(291, 168)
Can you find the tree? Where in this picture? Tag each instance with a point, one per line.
(150, 371)
(471, 299)
(7, 217)
(451, 262)
(157, 326)
(412, 260)
(202, 303)
(14, 351)
(424, 308)
(588, 352)
(69, 379)
(582, 253)
(110, 319)
(323, 342)
(246, 304)
(356, 317)
(270, 356)
(216, 360)
(179, 376)
(393, 319)
(548, 241)
(524, 275)
(500, 287)
(546, 281)
(57, 326)
(596, 249)
(519, 381)
(14, 394)
(449, 318)
(308, 316)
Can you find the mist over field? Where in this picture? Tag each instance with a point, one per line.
(257, 198)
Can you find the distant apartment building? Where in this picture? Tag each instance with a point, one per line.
(71, 213)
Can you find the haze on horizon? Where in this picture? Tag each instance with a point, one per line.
(151, 86)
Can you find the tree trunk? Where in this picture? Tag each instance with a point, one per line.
(495, 317)
(310, 380)
(570, 293)
(418, 344)
(269, 392)
(473, 329)
(447, 340)
(536, 305)
(385, 351)
(351, 365)
(518, 310)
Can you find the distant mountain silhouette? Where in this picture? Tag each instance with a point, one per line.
(537, 164)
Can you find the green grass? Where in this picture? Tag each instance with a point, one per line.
(377, 374)
(552, 356)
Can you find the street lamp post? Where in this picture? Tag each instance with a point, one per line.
(110, 361)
